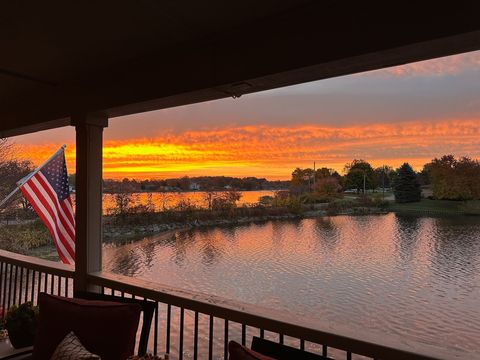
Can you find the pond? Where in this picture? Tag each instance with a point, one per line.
(413, 277)
(164, 200)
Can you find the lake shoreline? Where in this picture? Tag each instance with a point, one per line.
(122, 232)
(127, 233)
(118, 235)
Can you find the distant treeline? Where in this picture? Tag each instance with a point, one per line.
(201, 183)
(449, 178)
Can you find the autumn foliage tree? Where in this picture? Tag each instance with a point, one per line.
(226, 200)
(302, 180)
(327, 187)
(360, 173)
(384, 176)
(453, 179)
(406, 187)
(11, 171)
(306, 180)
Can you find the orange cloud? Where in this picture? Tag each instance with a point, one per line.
(442, 66)
(273, 151)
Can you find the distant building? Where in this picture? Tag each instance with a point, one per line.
(194, 186)
(150, 187)
(169, 188)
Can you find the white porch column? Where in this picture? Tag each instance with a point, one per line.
(88, 215)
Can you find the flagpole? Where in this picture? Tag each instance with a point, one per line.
(8, 197)
(29, 176)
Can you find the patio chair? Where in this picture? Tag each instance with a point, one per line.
(282, 352)
(148, 309)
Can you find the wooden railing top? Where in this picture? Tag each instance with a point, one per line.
(33, 263)
(275, 321)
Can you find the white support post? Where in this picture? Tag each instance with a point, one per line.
(88, 181)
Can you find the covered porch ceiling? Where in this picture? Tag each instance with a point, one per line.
(60, 59)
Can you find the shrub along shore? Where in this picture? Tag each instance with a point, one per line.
(137, 226)
(451, 185)
(135, 223)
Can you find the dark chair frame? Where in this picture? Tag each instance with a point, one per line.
(148, 310)
(282, 352)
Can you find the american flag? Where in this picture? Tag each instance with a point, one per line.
(48, 191)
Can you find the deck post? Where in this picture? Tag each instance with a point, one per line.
(88, 179)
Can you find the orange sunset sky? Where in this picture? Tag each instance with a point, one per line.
(407, 113)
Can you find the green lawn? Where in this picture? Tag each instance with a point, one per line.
(439, 207)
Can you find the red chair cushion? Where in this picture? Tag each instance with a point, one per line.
(105, 328)
(240, 352)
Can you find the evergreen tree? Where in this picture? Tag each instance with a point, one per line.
(406, 187)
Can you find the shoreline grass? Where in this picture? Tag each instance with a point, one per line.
(440, 207)
(26, 237)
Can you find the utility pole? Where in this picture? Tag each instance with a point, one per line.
(314, 176)
(364, 178)
(383, 183)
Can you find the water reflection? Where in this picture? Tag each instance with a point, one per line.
(326, 232)
(456, 251)
(408, 230)
(163, 200)
(125, 262)
(148, 252)
(416, 277)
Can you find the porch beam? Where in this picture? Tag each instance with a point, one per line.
(88, 214)
(289, 44)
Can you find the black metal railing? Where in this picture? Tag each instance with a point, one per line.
(190, 325)
(22, 278)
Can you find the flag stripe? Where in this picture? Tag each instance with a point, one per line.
(48, 192)
(48, 221)
(26, 192)
(44, 207)
(50, 206)
(43, 184)
(67, 208)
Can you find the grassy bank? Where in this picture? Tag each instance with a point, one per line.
(438, 207)
(21, 238)
(30, 237)
(120, 228)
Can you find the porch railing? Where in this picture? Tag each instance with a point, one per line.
(22, 278)
(190, 325)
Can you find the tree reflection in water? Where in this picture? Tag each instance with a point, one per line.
(417, 277)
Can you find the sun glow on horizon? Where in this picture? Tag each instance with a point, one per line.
(274, 151)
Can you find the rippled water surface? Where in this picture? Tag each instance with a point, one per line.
(413, 277)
